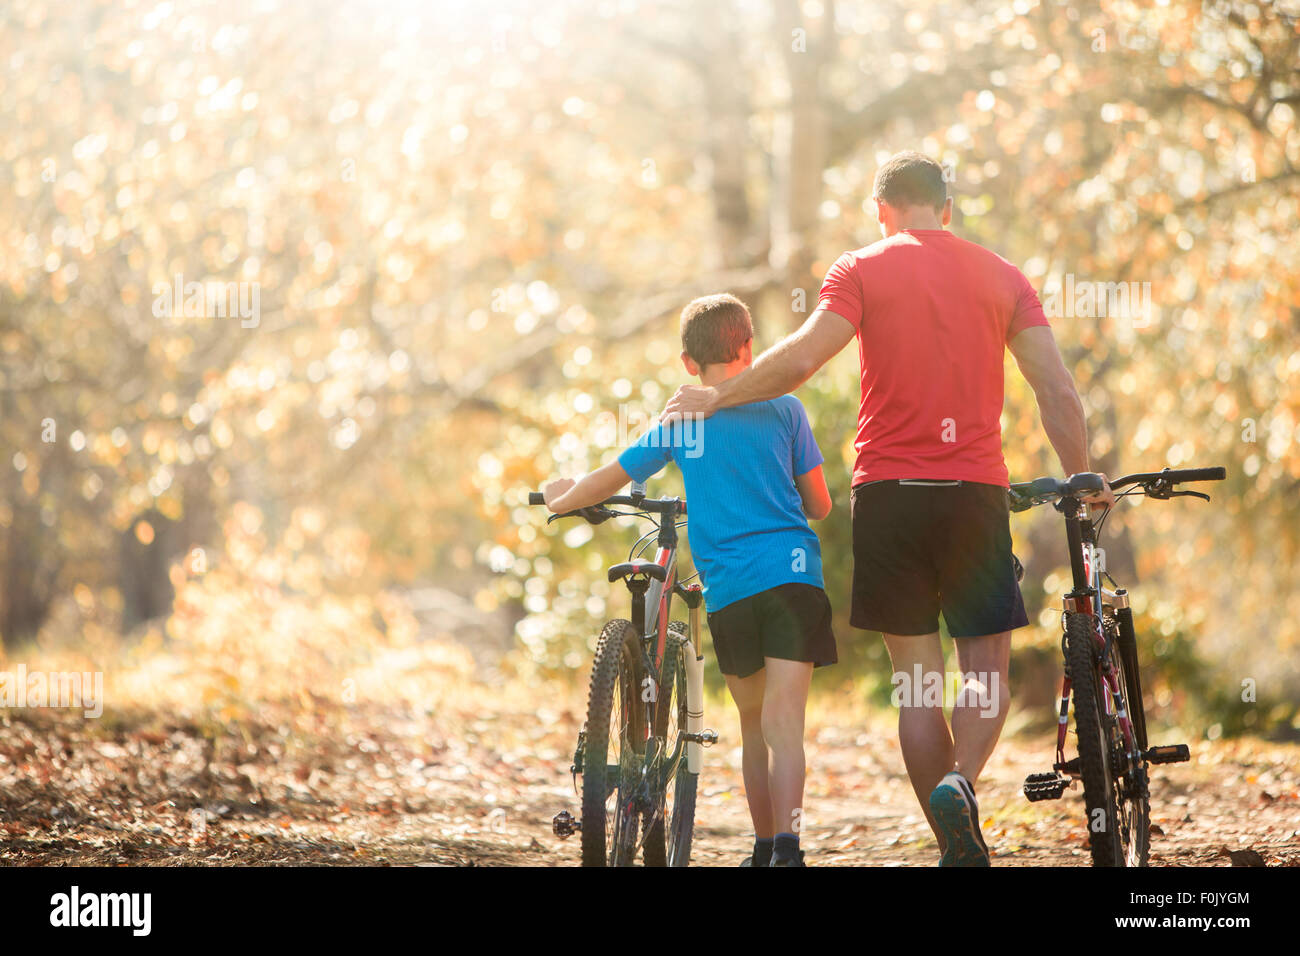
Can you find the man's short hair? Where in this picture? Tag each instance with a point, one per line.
(715, 328)
(911, 179)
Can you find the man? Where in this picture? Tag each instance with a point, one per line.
(932, 314)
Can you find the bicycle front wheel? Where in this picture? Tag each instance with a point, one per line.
(1092, 727)
(1132, 797)
(614, 751)
(671, 824)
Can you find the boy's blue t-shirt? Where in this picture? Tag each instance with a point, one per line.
(745, 518)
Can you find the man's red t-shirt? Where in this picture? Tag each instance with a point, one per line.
(933, 314)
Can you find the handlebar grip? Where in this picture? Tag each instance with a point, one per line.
(1084, 483)
(1043, 486)
(1199, 474)
(536, 498)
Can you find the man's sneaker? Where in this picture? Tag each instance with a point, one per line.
(958, 817)
(787, 860)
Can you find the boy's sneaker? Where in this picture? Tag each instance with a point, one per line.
(761, 855)
(958, 815)
(778, 860)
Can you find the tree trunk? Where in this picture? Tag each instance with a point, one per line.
(800, 150)
(26, 583)
(727, 139)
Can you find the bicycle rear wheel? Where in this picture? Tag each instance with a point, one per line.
(1094, 740)
(613, 755)
(671, 826)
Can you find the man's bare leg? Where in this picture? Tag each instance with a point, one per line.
(980, 709)
(923, 732)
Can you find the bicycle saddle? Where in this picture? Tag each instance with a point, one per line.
(648, 568)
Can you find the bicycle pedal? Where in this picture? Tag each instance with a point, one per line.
(564, 825)
(705, 738)
(1045, 786)
(1170, 753)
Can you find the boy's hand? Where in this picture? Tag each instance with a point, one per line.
(552, 491)
(690, 400)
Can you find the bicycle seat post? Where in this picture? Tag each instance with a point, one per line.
(638, 584)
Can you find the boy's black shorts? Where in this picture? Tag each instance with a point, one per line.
(921, 549)
(791, 622)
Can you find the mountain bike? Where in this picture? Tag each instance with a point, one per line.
(1102, 674)
(639, 752)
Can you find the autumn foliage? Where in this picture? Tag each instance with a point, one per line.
(470, 231)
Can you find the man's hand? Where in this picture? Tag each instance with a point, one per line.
(690, 401)
(553, 490)
(1101, 499)
(778, 371)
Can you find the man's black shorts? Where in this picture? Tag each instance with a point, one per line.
(919, 549)
(791, 622)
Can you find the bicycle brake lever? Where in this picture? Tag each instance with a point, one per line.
(1193, 494)
(1160, 490)
(596, 514)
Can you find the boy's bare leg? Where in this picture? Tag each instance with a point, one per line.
(980, 709)
(784, 703)
(923, 732)
(747, 692)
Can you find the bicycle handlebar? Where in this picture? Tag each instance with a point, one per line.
(1172, 476)
(1025, 495)
(662, 506)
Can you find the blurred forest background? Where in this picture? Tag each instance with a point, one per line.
(470, 228)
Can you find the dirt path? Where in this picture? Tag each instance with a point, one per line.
(479, 787)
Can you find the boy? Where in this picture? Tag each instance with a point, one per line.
(752, 474)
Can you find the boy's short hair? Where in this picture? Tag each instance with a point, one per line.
(911, 179)
(715, 328)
